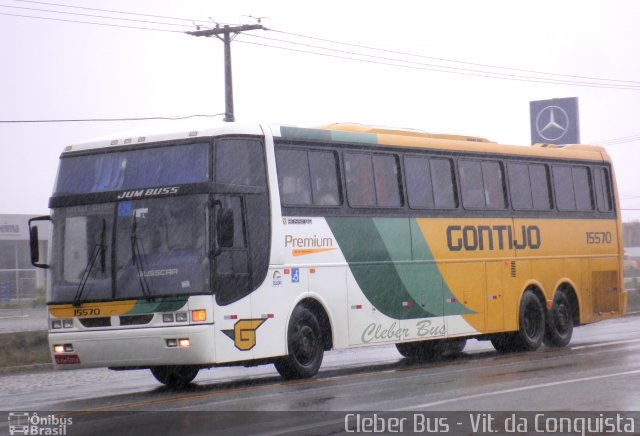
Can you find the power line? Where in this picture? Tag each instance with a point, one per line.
(85, 120)
(450, 60)
(445, 68)
(88, 22)
(616, 141)
(112, 11)
(90, 15)
(478, 74)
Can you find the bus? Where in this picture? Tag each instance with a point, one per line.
(250, 244)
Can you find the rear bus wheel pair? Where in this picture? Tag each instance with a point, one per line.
(536, 326)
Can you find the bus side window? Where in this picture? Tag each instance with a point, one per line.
(493, 180)
(603, 189)
(324, 178)
(471, 184)
(360, 184)
(572, 187)
(385, 172)
(293, 177)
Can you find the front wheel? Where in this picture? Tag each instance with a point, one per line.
(175, 376)
(306, 347)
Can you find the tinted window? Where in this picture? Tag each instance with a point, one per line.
(385, 170)
(520, 186)
(324, 178)
(173, 165)
(603, 189)
(539, 175)
(572, 187)
(359, 175)
(471, 184)
(529, 186)
(429, 183)
(293, 177)
(419, 186)
(493, 185)
(563, 187)
(582, 188)
(308, 177)
(482, 184)
(239, 162)
(443, 183)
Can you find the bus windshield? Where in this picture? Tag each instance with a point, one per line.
(158, 250)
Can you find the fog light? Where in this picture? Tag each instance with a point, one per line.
(181, 317)
(167, 317)
(67, 323)
(184, 343)
(199, 315)
(68, 348)
(56, 324)
(58, 348)
(172, 343)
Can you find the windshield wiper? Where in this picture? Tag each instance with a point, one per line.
(136, 258)
(98, 252)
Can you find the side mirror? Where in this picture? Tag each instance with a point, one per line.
(225, 228)
(34, 242)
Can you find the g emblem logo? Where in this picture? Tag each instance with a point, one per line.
(244, 333)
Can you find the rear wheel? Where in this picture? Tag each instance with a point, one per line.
(175, 376)
(454, 346)
(434, 349)
(531, 323)
(559, 322)
(306, 347)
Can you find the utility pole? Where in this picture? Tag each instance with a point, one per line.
(228, 34)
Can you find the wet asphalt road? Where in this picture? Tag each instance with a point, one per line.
(599, 371)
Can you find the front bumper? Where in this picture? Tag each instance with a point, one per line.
(134, 347)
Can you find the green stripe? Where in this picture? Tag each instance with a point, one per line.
(327, 135)
(392, 264)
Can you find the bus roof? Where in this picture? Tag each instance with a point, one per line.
(351, 133)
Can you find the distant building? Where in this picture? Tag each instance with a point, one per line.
(18, 278)
(631, 233)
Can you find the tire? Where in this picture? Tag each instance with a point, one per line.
(306, 346)
(176, 377)
(531, 323)
(423, 350)
(453, 347)
(559, 322)
(531, 327)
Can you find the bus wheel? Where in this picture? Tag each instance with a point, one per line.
(531, 327)
(454, 347)
(559, 322)
(306, 347)
(532, 323)
(423, 350)
(175, 376)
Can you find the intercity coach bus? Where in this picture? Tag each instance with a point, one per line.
(248, 245)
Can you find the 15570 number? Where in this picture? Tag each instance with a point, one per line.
(598, 237)
(93, 311)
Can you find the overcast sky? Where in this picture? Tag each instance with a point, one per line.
(57, 70)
